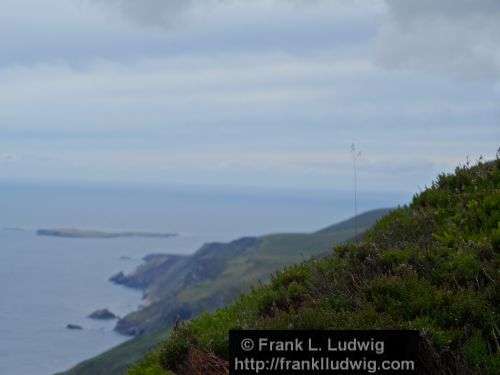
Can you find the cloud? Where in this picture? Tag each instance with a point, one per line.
(150, 12)
(461, 37)
(253, 91)
(84, 31)
(457, 37)
(166, 13)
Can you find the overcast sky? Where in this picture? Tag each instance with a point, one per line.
(247, 92)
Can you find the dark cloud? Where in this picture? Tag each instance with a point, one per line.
(409, 10)
(150, 12)
(165, 13)
(461, 37)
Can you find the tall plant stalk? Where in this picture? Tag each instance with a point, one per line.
(355, 156)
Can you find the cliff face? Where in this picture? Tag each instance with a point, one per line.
(155, 267)
(178, 288)
(163, 277)
(218, 272)
(432, 266)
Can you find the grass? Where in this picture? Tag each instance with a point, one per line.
(431, 266)
(273, 253)
(118, 360)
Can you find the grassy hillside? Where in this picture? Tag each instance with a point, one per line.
(117, 360)
(183, 287)
(432, 266)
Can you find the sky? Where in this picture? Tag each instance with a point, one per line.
(267, 93)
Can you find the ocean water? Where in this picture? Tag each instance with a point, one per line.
(47, 282)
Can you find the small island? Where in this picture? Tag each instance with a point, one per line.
(82, 233)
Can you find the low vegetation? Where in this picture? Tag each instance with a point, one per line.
(431, 266)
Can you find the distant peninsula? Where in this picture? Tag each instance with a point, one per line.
(14, 229)
(81, 233)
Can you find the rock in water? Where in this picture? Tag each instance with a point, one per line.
(119, 278)
(74, 327)
(103, 314)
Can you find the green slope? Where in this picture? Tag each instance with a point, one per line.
(182, 287)
(117, 360)
(432, 266)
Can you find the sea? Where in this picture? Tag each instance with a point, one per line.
(47, 283)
